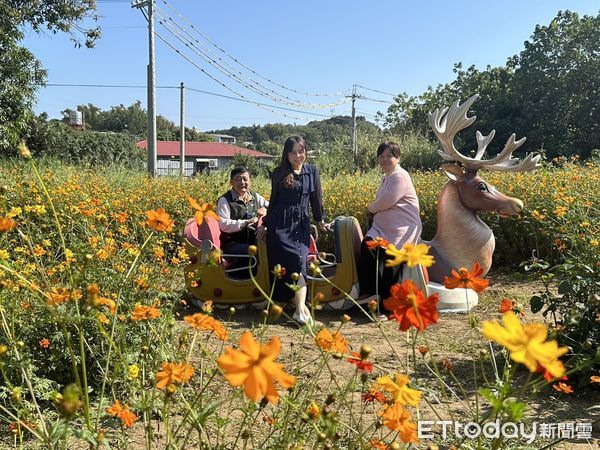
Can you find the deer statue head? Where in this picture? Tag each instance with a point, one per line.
(462, 238)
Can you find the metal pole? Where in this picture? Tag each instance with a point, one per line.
(151, 93)
(182, 132)
(354, 125)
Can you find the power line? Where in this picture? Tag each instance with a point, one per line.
(244, 65)
(360, 97)
(200, 91)
(257, 87)
(375, 90)
(108, 86)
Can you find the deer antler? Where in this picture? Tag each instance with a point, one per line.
(447, 122)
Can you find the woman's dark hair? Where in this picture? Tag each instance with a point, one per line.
(284, 173)
(391, 146)
(237, 170)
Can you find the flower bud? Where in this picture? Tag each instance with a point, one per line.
(252, 249)
(345, 318)
(171, 389)
(372, 306)
(275, 311)
(365, 351)
(3, 350)
(16, 394)
(231, 310)
(24, 150)
(295, 276)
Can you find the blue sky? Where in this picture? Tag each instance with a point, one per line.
(309, 46)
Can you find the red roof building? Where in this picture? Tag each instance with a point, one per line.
(199, 156)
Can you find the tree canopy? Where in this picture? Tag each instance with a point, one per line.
(21, 74)
(550, 93)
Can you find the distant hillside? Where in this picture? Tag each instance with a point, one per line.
(270, 138)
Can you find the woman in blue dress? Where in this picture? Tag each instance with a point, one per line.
(294, 185)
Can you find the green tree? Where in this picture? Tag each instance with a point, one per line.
(21, 73)
(557, 86)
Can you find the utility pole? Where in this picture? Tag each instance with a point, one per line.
(151, 93)
(182, 132)
(353, 141)
(151, 77)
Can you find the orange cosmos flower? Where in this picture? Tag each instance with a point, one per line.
(45, 343)
(313, 411)
(377, 243)
(7, 224)
(59, 295)
(465, 279)
(254, 367)
(562, 387)
(373, 394)
(595, 379)
(159, 220)
(506, 305)
(141, 312)
(378, 445)
(172, 373)
(361, 364)
(122, 412)
(207, 323)
(410, 307)
(396, 418)
(202, 211)
(332, 342)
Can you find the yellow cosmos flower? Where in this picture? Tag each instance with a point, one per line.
(399, 389)
(134, 371)
(254, 367)
(526, 343)
(412, 255)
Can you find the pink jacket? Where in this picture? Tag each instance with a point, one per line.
(396, 208)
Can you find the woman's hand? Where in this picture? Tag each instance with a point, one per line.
(261, 233)
(324, 226)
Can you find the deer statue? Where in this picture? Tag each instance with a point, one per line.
(462, 238)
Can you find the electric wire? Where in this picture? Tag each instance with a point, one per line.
(260, 105)
(244, 65)
(258, 88)
(375, 90)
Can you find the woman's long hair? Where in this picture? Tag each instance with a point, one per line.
(284, 173)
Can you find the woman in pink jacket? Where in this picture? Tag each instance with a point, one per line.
(395, 217)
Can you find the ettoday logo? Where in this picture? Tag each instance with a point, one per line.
(427, 429)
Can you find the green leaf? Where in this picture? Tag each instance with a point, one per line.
(536, 303)
(565, 287)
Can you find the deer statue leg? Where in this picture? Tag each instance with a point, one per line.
(302, 313)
